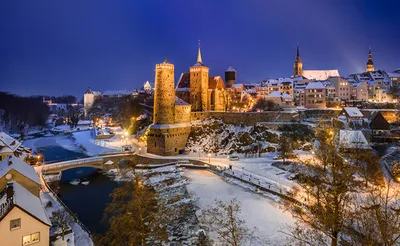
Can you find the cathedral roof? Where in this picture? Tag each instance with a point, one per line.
(320, 74)
(184, 81)
(214, 82)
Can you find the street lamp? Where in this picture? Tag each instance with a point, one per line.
(209, 157)
(140, 149)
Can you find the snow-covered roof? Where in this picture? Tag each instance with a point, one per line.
(20, 166)
(355, 85)
(117, 92)
(8, 144)
(353, 112)
(237, 86)
(320, 74)
(84, 122)
(180, 102)
(372, 82)
(393, 75)
(97, 93)
(279, 94)
(315, 85)
(350, 139)
(230, 69)
(30, 203)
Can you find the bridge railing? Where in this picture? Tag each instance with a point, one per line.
(80, 161)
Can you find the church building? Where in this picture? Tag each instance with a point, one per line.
(203, 92)
(311, 74)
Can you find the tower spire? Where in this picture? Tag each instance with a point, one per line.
(199, 60)
(370, 63)
(298, 53)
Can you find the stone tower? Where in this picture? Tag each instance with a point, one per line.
(199, 85)
(164, 95)
(298, 64)
(171, 120)
(230, 77)
(370, 63)
(88, 100)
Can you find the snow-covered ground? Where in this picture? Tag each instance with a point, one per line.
(80, 237)
(258, 211)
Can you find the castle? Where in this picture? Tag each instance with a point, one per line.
(196, 91)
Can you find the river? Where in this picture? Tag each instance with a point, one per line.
(89, 201)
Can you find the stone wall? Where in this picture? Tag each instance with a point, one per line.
(248, 118)
(182, 113)
(167, 141)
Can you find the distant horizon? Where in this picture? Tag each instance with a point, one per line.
(115, 45)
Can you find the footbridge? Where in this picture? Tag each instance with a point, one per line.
(104, 162)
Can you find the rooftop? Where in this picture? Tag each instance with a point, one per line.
(20, 166)
(320, 74)
(350, 139)
(353, 112)
(28, 202)
(315, 85)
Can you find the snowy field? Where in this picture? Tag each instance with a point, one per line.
(258, 211)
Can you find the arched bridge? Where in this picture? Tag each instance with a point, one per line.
(101, 162)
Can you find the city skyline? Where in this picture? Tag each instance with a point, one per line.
(115, 46)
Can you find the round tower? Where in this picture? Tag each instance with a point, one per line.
(230, 77)
(164, 94)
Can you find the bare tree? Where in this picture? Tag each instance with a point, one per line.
(285, 145)
(328, 183)
(223, 219)
(62, 219)
(263, 104)
(376, 218)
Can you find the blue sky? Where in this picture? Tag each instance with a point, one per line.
(62, 47)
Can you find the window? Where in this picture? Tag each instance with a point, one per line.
(15, 224)
(30, 239)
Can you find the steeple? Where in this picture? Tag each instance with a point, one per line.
(370, 63)
(199, 60)
(298, 64)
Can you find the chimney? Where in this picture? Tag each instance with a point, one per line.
(9, 160)
(10, 191)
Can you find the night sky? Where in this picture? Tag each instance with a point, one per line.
(62, 47)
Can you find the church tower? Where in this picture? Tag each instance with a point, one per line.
(298, 64)
(199, 84)
(164, 95)
(370, 63)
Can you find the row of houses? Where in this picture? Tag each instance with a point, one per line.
(327, 90)
(23, 218)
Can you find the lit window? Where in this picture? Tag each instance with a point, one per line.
(15, 224)
(30, 239)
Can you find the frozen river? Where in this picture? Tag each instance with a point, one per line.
(258, 211)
